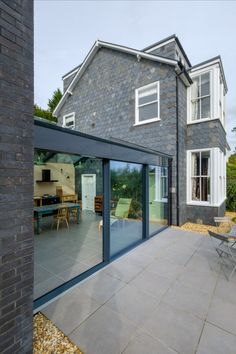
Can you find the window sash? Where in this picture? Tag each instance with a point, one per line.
(197, 98)
(145, 91)
(198, 178)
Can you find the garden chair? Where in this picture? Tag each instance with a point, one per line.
(121, 212)
(224, 246)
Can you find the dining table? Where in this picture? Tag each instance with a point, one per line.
(47, 210)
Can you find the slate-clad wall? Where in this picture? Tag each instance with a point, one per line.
(207, 134)
(168, 50)
(67, 81)
(104, 102)
(204, 214)
(16, 176)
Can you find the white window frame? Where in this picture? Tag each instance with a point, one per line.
(158, 184)
(155, 119)
(65, 118)
(217, 177)
(190, 112)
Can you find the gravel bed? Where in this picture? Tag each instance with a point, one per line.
(48, 339)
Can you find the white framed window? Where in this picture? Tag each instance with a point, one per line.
(147, 104)
(201, 97)
(206, 177)
(161, 184)
(69, 121)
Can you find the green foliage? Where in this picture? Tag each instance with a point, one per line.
(231, 183)
(52, 103)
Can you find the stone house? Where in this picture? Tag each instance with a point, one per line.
(156, 99)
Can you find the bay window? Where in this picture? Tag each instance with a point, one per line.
(201, 97)
(206, 177)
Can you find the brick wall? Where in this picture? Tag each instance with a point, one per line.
(16, 175)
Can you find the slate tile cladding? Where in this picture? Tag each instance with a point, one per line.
(104, 102)
(16, 176)
(104, 106)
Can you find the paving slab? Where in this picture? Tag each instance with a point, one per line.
(105, 332)
(178, 329)
(216, 341)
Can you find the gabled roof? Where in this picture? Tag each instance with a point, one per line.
(209, 62)
(100, 44)
(167, 40)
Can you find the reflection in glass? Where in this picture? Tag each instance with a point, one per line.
(68, 202)
(158, 198)
(125, 205)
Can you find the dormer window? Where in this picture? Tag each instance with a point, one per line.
(69, 121)
(201, 97)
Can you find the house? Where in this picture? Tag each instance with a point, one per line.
(156, 99)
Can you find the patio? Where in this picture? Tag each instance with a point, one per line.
(168, 295)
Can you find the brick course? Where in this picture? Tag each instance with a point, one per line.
(16, 176)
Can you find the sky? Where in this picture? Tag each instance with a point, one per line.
(65, 31)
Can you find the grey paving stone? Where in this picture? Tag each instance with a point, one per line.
(124, 270)
(165, 268)
(133, 304)
(41, 274)
(205, 281)
(154, 284)
(105, 332)
(188, 299)
(143, 343)
(222, 314)
(226, 290)
(178, 329)
(216, 341)
(71, 310)
(102, 286)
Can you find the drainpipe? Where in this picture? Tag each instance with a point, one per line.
(177, 148)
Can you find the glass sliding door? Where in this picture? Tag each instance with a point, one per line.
(158, 198)
(68, 215)
(125, 205)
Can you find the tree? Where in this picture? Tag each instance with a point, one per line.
(231, 183)
(52, 103)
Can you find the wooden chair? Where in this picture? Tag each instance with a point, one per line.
(62, 216)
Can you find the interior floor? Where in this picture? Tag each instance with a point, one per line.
(61, 255)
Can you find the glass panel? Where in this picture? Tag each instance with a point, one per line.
(158, 198)
(205, 84)
(205, 163)
(147, 99)
(195, 164)
(148, 112)
(195, 88)
(196, 109)
(126, 205)
(196, 188)
(205, 189)
(68, 221)
(205, 107)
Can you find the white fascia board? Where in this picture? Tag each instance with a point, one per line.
(160, 45)
(139, 53)
(99, 44)
(68, 75)
(80, 71)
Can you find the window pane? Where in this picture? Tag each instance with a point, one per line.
(147, 99)
(158, 198)
(205, 189)
(195, 109)
(205, 156)
(148, 112)
(125, 205)
(195, 164)
(195, 88)
(205, 84)
(205, 102)
(196, 188)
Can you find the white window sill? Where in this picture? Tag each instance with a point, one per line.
(147, 121)
(200, 204)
